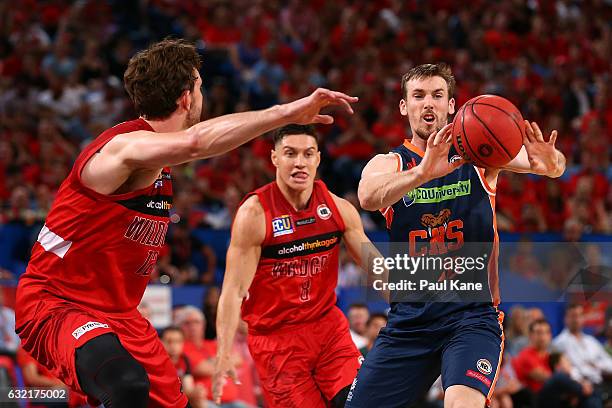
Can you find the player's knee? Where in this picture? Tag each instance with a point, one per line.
(109, 373)
(340, 398)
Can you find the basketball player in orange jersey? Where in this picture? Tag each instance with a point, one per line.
(460, 339)
(282, 269)
(76, 303)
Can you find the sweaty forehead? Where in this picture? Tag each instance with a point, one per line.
(427, 84)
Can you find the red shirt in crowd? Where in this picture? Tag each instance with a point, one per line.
(528, 360)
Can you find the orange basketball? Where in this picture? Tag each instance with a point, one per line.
(488, 131)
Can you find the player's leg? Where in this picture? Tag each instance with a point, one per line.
(471, 359)
(284, 364)
(140, 339)
(338, 360)
(398, 371)
(109, 373)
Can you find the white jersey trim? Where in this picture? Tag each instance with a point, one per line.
(52, 242)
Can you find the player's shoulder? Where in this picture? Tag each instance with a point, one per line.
(384, 162)
(250, 220)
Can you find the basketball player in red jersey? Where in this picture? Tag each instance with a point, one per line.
(76, 304)
(282, 267)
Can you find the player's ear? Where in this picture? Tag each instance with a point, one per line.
(185, 100)
(451, 106)
(402, 107)
(274, 157)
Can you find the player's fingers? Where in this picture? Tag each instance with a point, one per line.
(441, 135)
(538, 132)
(529, 136)
(553, 138)
(345, 104)
(324, 119)
(449, 135)
(234, 376)
(348, 98)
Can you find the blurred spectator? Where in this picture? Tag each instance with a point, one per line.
(608, 334)
(587, 355)
(249, 390)
(508, 386)
(173, 340)
(201, 353)
(531, 364)
(358, 315)
(9, 341)
(349, 274)
(376, 322)
(560, 390)
(516, 331)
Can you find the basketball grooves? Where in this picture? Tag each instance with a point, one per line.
(489, 130)
(467, 141)
(498, 108)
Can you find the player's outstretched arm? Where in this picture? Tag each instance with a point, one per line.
(143, 150)
(383, 185)
(538, 156)
(248, 233)
(359, 246)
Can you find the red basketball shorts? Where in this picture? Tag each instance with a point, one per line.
(308, 364)
(58, 328)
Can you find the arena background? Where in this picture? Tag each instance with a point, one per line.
(61, 70)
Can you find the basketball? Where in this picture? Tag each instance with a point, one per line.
(488, 131)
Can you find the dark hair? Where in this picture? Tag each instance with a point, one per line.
(572, 306)
(554, 358)
(358, 306)
(171, 329)
(377, 316)
(293, 129)
(428, 71)
(157, 76)
(537, 322)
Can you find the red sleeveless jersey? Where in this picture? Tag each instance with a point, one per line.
(297, 273)
(98, 250)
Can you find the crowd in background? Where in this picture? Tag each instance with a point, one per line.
(61, 70)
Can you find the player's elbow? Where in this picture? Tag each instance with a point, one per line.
(367, 197)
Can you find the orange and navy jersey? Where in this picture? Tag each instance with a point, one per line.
(97, 250)
(444, 214)
(297, 272)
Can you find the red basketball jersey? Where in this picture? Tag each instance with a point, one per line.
(97, 250)
(297, 273)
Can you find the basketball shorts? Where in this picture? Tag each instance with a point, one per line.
(308, 364)
(59, 327)
(464, 347)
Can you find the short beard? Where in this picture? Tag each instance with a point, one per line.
(423, 134)
(192, 118)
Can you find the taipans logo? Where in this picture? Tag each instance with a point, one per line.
(429, 195)
(324, 212)
(442, 234)
(159, 205)
(282, 225)
(484, 366)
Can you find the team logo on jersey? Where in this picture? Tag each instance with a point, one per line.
(324, 212)
(282, 225)
(89, 326)
(484, 366)
(441, 234)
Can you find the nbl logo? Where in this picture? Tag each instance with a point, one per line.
(282, 226)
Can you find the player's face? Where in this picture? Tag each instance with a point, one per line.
(197, 100)
(427, 106)
(296, 158)
(173, 343)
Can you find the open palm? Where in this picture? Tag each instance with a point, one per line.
(542, 154)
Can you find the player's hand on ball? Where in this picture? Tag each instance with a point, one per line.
(435, 161)
(543, 156)
(224, 367)
(307, 110)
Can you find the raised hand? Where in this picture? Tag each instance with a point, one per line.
(307, 110)
(543, 157)
(435, 161)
